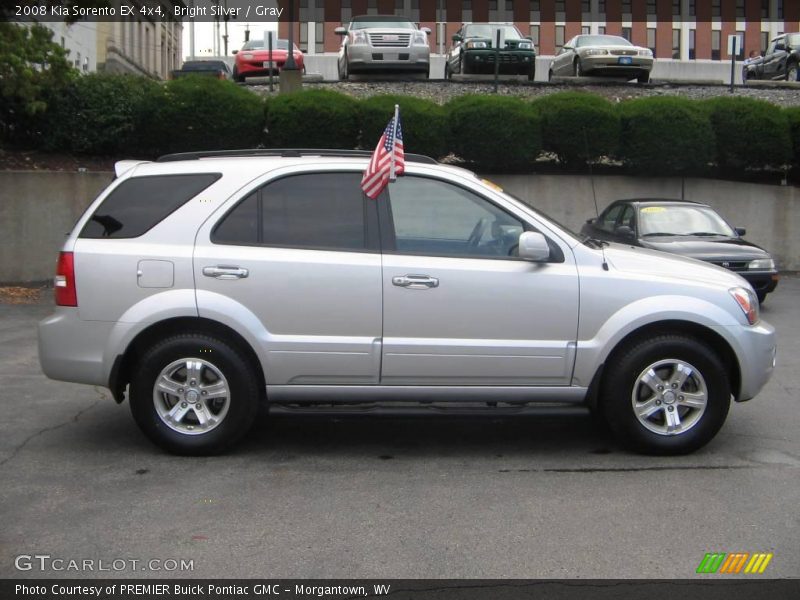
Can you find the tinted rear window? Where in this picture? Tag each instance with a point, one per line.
(140, 203)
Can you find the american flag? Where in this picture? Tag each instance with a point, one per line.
(388, 160)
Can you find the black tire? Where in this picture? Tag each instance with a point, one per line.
(242, 400)
(762, 296)
(237, 78)
(621, 380)
(643, 77)
(791, 71)
(448, 74)
(344, 74)
(550, 75)
(462, 66)
(577, 69)
(531, 73)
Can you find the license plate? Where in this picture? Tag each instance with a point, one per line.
(625, 60)
(391, 38)
(390, 56)
(267, 64)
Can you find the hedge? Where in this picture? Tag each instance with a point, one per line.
(423, 121)
(199, 113)
(665, 136)
(97, 114)
(312, 119)
(578, 126)
(494, 133)
(749, 133)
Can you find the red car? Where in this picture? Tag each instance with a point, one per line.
(253, 59)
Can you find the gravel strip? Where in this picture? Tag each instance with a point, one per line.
(441, 92)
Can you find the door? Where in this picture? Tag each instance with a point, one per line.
(460, 308)
(299, 255)
(774, 59)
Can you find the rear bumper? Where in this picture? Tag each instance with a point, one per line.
(73, 350)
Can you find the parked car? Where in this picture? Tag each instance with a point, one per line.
(689, 229)
(780, 61)
(473, 51)
(204, 284)
(218, 69)
(602, 55)
(253, 60)
(373, 43)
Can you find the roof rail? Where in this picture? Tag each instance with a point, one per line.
(285, 153)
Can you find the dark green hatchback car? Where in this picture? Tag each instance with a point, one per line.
(473, 51)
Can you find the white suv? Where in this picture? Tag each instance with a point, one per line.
(207, 283)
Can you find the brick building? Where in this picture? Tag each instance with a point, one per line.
(679, 29)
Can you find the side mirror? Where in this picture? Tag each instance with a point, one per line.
(235, 52)
(456, 38)
(590, 221)
(427, 30)
(533, 246)
(740, 230)
(340, 31)
(625, 231)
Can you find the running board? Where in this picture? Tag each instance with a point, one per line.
(420, 410)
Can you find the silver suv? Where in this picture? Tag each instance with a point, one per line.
(205, 284)
(383, 43)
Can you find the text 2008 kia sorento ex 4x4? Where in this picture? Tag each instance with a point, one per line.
(204, 284)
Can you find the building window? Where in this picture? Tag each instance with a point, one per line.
(741, 55)
(780, 10)
(676, 44)
(626, 33)
(601, 7)
(691, 44)
(676, 8)
(765, 9)
(399, 7)
(693, 8)
(372, 7)
(560, 6)
(716, 8)
(626, 7)
(740, 8)
(536, 6)
(535, 35)
(586, 30)
(319, 37)
(651, 40)
(601, 30)
(651, 8)
(586, 6)
(559, 37)
(764, 42)
(715, 44)
(303, 43)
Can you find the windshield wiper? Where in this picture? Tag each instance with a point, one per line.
(661, 234)
(594, 242)
(705, 233)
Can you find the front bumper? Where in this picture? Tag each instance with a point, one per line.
(756, 350)
(763, 282)
(607, 64)
(256, 68)
(511, 61)
(365, 58)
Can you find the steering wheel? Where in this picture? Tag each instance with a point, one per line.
(477, 233)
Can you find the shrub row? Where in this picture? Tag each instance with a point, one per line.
(123, 115)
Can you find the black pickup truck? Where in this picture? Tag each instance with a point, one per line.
(780, 61)
(218, 69)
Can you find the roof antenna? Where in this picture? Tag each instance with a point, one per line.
(594, 194)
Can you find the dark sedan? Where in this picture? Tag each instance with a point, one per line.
(689, 229)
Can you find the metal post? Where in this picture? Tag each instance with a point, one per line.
(290, 65)
(271, 64)
(191, 31)
(496, 58)
(733, 63)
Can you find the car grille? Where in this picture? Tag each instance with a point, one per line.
(624, 52)
(731, 265)
(504, 58)
(389, 40)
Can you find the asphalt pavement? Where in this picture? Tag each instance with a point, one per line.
(313, 497)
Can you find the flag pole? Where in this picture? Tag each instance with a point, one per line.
(392, 175)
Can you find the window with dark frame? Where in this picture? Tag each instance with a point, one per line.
(692, 8)
(716, 8)
(676, 8)
(676, 44)
(651, 39)
(559, 37)
(716, 40)
(741, 53)
(650, 8)
(626, 33)
(626, 7)
(692, 34)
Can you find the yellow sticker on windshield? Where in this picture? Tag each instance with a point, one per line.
(492, 185)
(653, 209)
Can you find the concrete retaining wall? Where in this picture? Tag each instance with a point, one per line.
(38, 208)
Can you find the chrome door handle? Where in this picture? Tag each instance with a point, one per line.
(415, 282)
(225, 272)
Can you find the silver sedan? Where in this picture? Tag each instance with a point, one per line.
(602, 55)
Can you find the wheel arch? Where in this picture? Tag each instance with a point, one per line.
(124, 363)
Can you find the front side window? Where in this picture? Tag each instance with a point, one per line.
(609, 220)
(438, 218)
(313, 210)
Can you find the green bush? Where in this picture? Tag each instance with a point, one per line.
(494, 133)
(793, 117)
(96, 114)
(424, 123)
(199, 113)
(312, 119)
(749, 133)
(665, 135)
(578, 126)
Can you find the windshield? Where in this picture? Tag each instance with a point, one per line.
(488, 31)
(681, 220)
(261, 45)
(385, 23)
(601, 40)
(793, 39)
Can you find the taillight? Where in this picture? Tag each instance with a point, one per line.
(64, 285)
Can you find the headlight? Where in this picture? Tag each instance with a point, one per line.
(762, 264)
(595, 52)
(747, 301)
(420, 39)
(646, 52)
(476, 45)
(359, 38)
(525, 46)
(247, 56)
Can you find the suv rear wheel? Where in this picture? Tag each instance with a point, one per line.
(194, 394)
(666, 395)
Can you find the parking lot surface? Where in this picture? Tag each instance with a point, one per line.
(311, 497)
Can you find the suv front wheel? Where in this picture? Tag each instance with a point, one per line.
(666, 395)
(194, 394)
